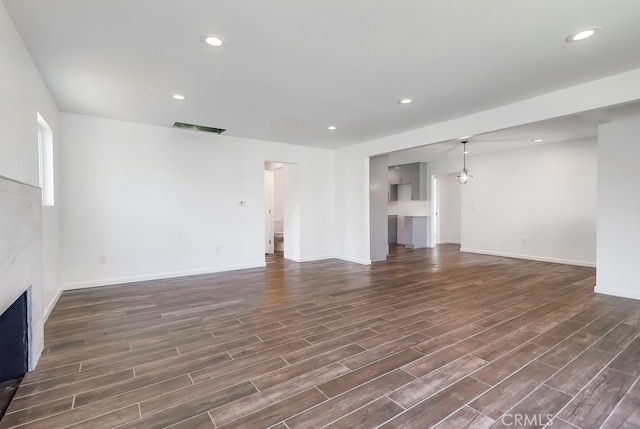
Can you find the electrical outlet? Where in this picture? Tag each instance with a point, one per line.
(218, 250)
(524, 241)
(102, 259)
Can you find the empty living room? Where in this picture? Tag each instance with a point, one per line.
(319, 214)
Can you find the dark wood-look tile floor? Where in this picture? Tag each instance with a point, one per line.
(430, 338)
(8, 389)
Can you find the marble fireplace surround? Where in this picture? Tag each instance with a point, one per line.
(21, 256)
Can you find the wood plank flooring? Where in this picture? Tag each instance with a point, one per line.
(7, 390)
(429, 338)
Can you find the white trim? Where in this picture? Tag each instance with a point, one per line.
(33, 354)
(531, 257)
(52, 304)
(617, 292)
(159, 276)
(354, 260)
(449, 242)
(309, 258)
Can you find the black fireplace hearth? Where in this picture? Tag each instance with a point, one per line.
(14, 338)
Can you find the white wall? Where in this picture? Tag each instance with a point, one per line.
(545, 195)
(618, 266)
(161, 202)
(278, 195)
(378, 201)
(292, 213)
(22, 95)
(443, 169)
(449, 210)
(352, 172)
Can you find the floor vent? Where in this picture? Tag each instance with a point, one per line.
(193, 127)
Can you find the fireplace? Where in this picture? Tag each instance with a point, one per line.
(21, 278)
(14, 340)
(14, 349)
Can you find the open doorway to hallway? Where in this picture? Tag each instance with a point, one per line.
(282, 209)
(274, 206)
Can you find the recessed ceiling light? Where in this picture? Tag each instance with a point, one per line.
(582, 34)
(405, 101)
(213, 41)
(178, 97)
(331, 127)
(537, 140)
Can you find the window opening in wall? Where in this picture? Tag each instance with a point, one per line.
(45, 151)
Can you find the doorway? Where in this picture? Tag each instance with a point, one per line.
(446, 209)
(274, 206)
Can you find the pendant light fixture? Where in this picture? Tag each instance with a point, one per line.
(464, 176)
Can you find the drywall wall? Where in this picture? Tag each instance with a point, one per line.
(352, 172)
(278, 195)
(618, 270)
(143, 202)
(292, 211)
(544, 194)
(537, 203)
(449, 208)
(445, 168)
(22, 95)
(378, 198)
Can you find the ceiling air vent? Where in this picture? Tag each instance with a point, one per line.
(193, 127)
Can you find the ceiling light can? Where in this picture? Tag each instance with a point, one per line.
(212, 40)
(582, 34)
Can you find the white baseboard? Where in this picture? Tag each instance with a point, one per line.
(618, 292)
(309, 258)
(449, 242)
(531, 257)
(324, 258)
(354, 260)
(52, 304)
(158, 276)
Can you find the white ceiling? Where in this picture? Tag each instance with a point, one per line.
(550, 131)
(574, 127)
(290, 68)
